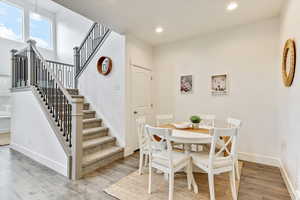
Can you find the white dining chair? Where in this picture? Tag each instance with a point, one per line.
(215, 162)
(235, 123)
(143, 146)
(164, 119)
(208, 119)
(166, 160)
(167, 119)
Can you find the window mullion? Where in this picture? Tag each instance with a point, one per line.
(26, 25)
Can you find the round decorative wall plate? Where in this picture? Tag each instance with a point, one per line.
(104, 65)
(289, 62)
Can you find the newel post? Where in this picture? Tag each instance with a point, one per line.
(77, 126)
(13, 67)
(76, 64)
(30, 57)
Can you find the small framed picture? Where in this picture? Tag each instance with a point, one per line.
(186, 84)
(219, 85)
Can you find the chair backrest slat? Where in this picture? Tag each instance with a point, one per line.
(208, 119)
(227, 146)
(140, 122)
(157, 138)
(164, 119)
(234, 122)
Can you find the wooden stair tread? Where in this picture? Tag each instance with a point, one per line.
(97, 141)
(97, 156)
(94, 130)
(92, 120)
(77, 96)
(88, 111)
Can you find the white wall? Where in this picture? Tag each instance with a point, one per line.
(138, 54)
(249, 54)
(289, 98)
(32, 135)
(107, 93)
(71, 29)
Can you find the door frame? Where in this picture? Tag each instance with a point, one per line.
(131, 128)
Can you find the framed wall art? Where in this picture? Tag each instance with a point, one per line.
(186, 84)
(104, 65)
(219, 84)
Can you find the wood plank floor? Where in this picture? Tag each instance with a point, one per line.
(23, 179)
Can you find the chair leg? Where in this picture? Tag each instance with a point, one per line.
(232, 184)
(150, 178)
(189, 175)
(211, 186)
(171, 185)
(237, 170)
(146, 160)
(141, 162)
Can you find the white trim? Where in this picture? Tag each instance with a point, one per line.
(58, 167)
(128, 151)
(4, 131)
(265, 160)
(295, 195)
(6, 75)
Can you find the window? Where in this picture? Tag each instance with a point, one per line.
(11, 22)
(41, 30)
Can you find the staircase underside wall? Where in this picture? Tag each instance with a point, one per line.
(32, 135)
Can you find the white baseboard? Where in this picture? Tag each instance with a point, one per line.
(295, 195)
(58, 167)
(265, 160)
(128, 151)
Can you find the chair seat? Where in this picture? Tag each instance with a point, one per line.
(202, 159)
(161, 158)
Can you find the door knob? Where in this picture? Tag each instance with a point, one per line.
(135, 112)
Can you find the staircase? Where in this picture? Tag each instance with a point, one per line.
(86, 142)
(99, 149)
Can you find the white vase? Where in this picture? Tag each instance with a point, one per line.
(195, 125)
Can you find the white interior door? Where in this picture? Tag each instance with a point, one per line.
(141, 101)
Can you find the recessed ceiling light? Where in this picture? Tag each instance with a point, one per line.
(159, 30)
(232, 6)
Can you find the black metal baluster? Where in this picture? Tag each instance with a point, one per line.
(49, 91)
(21, 72)
(25, 71)
(61, 110)
(65, 116)
(56, 105)
(53, 100)
(70, 125)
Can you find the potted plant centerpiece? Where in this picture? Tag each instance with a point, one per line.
(196, 121)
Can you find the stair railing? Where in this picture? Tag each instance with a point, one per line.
(85, 52)
(65, 73)
(30, 69)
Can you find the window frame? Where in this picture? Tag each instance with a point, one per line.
(51, 22)
(22, 23)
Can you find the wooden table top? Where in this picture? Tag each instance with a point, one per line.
(197, 130)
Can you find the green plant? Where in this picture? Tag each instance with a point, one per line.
(195, 119)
